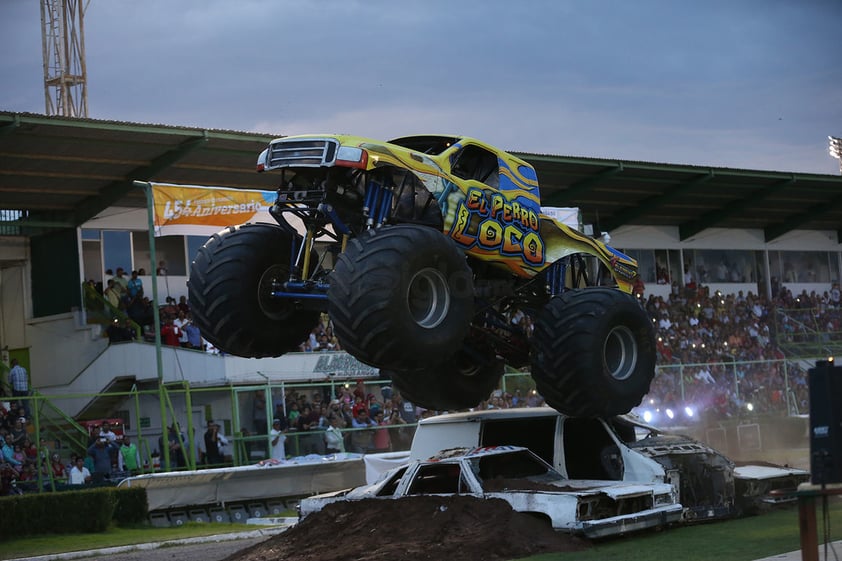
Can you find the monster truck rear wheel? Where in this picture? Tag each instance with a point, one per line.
(401, 297)
(230, 286)
(593, 352)
(460, 383)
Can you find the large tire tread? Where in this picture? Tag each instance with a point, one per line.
(223, 293)
(568, 365)
(369, 311)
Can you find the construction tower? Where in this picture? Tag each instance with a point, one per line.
(63, 47)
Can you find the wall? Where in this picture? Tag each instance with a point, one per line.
(14, 296)
(62, 346)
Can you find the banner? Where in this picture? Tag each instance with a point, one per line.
(189, 210)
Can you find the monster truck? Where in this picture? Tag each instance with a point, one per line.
(435, 263)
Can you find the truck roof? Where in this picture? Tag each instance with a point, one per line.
(521, 412)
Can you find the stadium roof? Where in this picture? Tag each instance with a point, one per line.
(59, 172)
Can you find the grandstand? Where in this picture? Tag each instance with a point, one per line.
(70, 212)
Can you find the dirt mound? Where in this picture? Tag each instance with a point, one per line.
(414, 528)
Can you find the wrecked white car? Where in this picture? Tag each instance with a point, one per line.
(529, 484)
(621, 448)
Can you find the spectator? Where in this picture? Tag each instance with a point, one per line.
(170, 334)
(334, 440)
(362, 439)
(112, 295)
(214, 441)
(8, 451)
(121, 283)
(79, 474)
(308, 423)
(19, 382)
(176, 453)
(180, 323)
(134, 286)
(277, 439)
(128, 458)
(18, 432)
(381, 439)
(59, 472)
(102, 451)
(136, 307)
(194, 336)
(258, 412)
(169, 310)
(105, 430)
(119, 332)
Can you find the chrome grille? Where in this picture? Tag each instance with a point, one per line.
(302, 153)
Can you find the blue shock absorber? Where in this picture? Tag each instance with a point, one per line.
(555, 277)
(385, 206)
(370, 203)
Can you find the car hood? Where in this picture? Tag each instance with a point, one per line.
(613, 489)
(669, 444)
(766, 471)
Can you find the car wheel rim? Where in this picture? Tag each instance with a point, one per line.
(620, 353)
(428, 298)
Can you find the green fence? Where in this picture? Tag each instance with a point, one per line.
(726, 388)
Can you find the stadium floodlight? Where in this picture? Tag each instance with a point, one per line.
(836, 149)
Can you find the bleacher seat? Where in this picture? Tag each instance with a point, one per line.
(178, 518)
(219, 515)
(238, 513)
(199, 515)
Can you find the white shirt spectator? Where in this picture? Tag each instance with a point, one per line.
(277, 439)
(79, 476)
(704, 375)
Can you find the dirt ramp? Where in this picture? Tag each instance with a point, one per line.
(414, 528)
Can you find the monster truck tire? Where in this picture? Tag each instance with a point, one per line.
(401, 297)
(593, 352)
(460, 383)
(230, 279)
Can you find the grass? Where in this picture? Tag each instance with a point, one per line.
(745, 539)
(113, 537)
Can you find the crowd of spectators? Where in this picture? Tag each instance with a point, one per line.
(724, 355)
(730, 354)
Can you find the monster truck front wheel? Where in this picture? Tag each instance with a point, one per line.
(401, 297)
(593, 352)
(231, 280)
(460, 383)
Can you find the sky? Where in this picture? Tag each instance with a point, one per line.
(753, 84)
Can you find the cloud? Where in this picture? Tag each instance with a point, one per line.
(745, 84)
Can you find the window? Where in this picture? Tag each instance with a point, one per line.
(657, 266)
(392, 485)
(803, 266)
(117, 250)
(473, 162)
(436, 479)
(722, 265)
(168, 249)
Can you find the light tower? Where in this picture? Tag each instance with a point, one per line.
(836, 149)
(63, 47)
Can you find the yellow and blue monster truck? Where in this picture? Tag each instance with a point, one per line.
(435, 263)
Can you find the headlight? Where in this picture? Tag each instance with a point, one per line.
(352, 157)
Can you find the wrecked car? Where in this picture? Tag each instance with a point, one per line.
(514, 474)
(620, 448)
